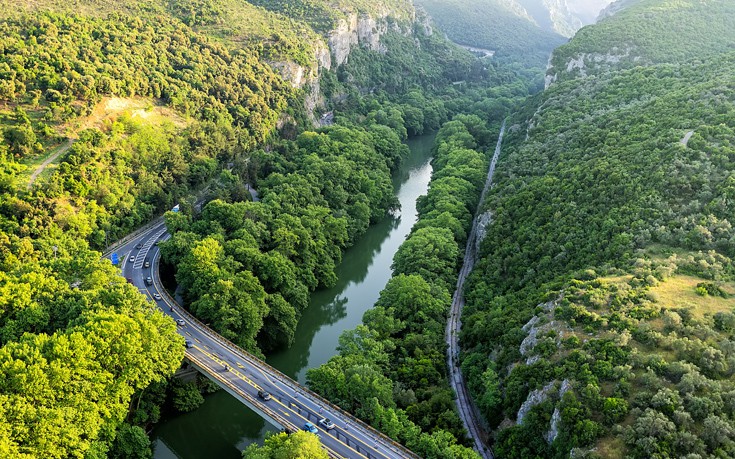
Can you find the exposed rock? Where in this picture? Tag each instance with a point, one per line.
(554, 430)
(483, 221)
(686, 138)
(536, 397)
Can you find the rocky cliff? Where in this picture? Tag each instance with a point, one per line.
(356, 30)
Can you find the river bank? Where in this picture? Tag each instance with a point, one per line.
(222, 427)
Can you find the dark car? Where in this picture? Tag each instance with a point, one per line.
(189, 343)
(264, 395)
(139, 245)
(148, 280)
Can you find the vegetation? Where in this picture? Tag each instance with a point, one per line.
(299, 445)
(496, 26)
(85, 357)
(603, 207)
(649, 32)
(391, 371)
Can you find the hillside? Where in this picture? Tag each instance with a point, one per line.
(604, 292)
(645, 33)
(503, 27)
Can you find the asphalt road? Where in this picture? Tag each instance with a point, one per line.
(242, 374)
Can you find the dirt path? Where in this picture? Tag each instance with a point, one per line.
(60, 151)
(467, 410)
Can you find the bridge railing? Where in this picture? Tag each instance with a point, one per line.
(394, 445)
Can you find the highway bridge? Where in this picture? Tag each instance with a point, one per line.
(241, 374)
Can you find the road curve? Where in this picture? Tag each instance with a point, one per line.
(466, 407)
(243, 375)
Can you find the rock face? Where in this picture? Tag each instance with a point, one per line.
(357, 30)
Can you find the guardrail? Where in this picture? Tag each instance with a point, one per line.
(245, 355)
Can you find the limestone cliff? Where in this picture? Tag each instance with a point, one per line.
(356, 30)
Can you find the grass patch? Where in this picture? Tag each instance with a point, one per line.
(680, 292)
(611, 447)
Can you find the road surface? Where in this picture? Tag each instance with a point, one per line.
(467, 409)
(242, 374)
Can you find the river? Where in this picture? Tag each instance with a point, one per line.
(222, 426)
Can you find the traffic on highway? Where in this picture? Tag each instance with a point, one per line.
(249, 379)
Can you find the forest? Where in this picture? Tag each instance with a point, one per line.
(110, 114)
(604, 291)
(599, 318)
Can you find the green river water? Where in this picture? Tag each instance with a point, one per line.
(222, 426)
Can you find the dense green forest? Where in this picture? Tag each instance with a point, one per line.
(598, 321)
(650, 32)
(391, 371)
(112, 112)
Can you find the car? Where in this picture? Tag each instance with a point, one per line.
(132, 258)
(264, 395)
(326, 423)
(130, 280)
(189, 344)
(139, 245)
(180, 322)
(309, 427)
(148, 280)
(147, 264)
(157, 297)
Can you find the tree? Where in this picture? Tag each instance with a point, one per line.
(298, 445)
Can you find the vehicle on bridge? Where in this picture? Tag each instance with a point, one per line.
(264, 395)
(309, 427)
(326, 423)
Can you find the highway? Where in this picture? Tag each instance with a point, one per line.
(243, 375)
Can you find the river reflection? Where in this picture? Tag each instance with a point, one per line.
(222, 426)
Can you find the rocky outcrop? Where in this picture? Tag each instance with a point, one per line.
(357, 30)
(583, 64)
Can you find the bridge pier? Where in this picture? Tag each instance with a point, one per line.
(186, 372)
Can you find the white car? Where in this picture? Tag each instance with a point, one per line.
(180, 322)
(157, 297)
(326, 423)
(132, 258)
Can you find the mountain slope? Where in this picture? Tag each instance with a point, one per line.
(604, 295)
(648, 32)
(503, 27)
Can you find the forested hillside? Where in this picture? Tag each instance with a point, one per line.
(502, 27)
(650, 32)
(599, 319)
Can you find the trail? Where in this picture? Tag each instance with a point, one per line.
(467, 409)
(62, 149)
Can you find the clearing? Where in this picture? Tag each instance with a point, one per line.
(107, 111)
(680, 292)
